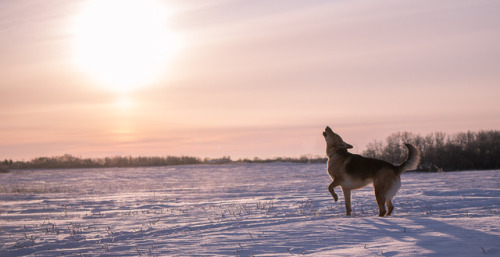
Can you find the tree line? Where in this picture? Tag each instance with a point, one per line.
(442, 152)
(68, 161)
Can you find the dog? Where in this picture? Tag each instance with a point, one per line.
(352, 171)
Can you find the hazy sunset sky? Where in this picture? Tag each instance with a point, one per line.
(241, 78)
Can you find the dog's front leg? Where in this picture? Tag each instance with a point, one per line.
(331, 187)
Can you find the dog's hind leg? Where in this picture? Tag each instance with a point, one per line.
(396, 184)
(389, 206)
(380, 196)
(331, 187)
(347, 199)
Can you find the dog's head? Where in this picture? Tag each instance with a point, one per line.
(334, 142)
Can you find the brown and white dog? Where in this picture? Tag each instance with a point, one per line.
(352, 171)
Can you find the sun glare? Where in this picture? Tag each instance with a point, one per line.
(123, 44)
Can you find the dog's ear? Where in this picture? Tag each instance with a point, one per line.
(344, 145)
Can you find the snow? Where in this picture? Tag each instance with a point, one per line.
(276, 209)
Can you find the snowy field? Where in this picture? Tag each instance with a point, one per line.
(242, 210)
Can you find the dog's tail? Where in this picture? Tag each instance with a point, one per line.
(412, 161)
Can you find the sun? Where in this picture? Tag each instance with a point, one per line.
(123, 44)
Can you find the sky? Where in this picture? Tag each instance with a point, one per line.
(240, 78)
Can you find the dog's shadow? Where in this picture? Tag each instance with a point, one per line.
(438, 238)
